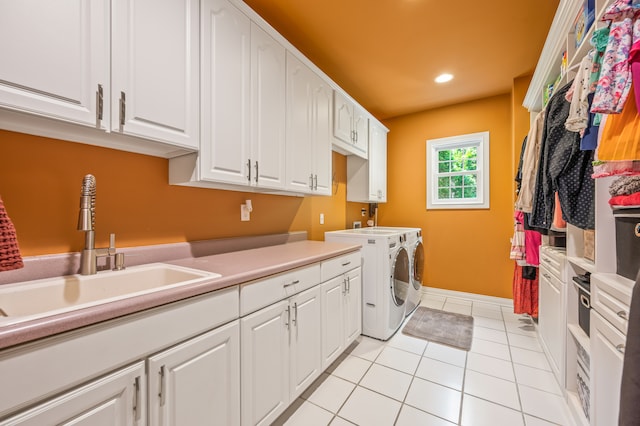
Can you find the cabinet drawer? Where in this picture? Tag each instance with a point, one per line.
(553, 261)
(339, 265)
(611, 299)
(258, 294)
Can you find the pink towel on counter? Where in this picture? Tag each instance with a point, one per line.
(10, 257)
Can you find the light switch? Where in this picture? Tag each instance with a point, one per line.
(321, 218)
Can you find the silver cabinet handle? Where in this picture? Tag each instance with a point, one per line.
(620, 348)
(344, 289)
(622, 314)
(137, 401)
(249, 169)
(294, 320)
(346, 263)
(315, 182)
(288, 317)
(100, 102)
(162, 392)
(292, 283)
(547, 276)
(257, 171)
(123, 108)
(348, 285)
(311, 181)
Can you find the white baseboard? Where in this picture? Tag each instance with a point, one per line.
(502, 301)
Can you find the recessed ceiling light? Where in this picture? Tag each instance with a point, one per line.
(443, 78)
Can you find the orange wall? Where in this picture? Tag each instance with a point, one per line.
(40, 181)
(465, 250)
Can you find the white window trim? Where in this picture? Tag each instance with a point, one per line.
(481, 140)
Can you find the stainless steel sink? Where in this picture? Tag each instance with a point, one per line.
(39, 298)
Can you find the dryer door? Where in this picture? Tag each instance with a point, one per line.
(400, 278)
(418, 265)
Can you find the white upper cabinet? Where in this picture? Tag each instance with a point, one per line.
(367, 179)
(268, 76)
(350, 126)
(123, 67)
(243, 105)
(155, 70)
(55, 59)
(308, 131)
(226, 97)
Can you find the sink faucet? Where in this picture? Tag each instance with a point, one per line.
(86, 222)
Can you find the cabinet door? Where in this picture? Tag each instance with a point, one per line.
(353, 306)
(197, 382)
(342, 118)
(360, 132)
(114, 400)
(155, 70)
(332, 294)
(550, 319)
(607, 357)
(306, 337)
(55, 55)
(226, 57)
(264, 362)
(299, 144)
(268, 74)
(322, 109)
(377, 163)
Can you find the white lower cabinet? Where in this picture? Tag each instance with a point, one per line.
(115, 399)
(197, 382)
(552, 309)
(280, 355)
(607, 356)
(341, 314)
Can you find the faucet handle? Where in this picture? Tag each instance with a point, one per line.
(118, 262)
(112, 244)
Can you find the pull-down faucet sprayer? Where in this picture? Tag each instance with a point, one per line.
(86, 223)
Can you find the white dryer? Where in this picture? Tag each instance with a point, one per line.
(385, 277)
(413, 244)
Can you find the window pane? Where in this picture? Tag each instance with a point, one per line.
(444, 155)
(456, 180)
(469, 192)
(443, 193)
(444, 167)
(471, 165)
(456, 166)
(443, 182)
(469, 180)
(456, 192)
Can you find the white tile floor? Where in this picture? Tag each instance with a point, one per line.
(504, 380)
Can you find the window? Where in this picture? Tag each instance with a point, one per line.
(458, 172)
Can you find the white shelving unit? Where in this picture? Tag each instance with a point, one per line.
(561, 39)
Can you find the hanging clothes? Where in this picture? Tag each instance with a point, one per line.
(614, 83)
(530, 163)
(578, 118)
(525, 290)
(563, 168)
(620, 139)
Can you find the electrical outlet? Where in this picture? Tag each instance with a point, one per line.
(321, 218)
(245, 214)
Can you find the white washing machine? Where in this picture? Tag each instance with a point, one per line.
(385, 277)
(415, 248)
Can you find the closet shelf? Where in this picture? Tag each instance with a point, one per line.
(584, 264)
(581, 337)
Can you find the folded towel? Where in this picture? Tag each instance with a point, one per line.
(9, 252)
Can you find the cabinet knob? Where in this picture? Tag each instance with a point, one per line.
(622, 314)
(620, 348)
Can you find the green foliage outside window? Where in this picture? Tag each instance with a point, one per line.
(457, 173)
